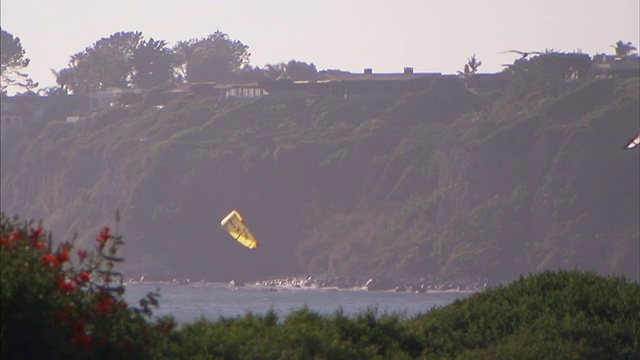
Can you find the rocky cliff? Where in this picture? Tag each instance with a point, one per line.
(440, 182)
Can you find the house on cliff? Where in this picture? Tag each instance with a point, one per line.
(224, 91)
(100, 100)
(608, 66)
(22, 112)
(365, 85)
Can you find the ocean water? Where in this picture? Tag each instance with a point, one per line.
(189, 302)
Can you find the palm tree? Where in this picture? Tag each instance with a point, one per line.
(623, 49)
(470, 68)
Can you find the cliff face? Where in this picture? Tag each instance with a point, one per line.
(440, 182)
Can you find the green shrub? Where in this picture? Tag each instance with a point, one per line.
(587, 315)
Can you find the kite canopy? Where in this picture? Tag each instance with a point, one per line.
(236, 227)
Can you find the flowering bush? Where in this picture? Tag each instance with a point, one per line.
(54, 306)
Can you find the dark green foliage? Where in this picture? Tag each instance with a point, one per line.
(590, 95)
(584, 315)
(300, 335)
(108, 63)
(546, 73)
(562, 314)
(153, 64)
(212, 58)
(125, 60)
(12, 63)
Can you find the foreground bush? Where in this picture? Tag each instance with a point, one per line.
(556, 315)
(53, 308)
(302, 334)
(551, 315)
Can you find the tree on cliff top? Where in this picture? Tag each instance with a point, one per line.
(546, 71)
(105, 64)
(152, 63)
(213, 58)
(623, 49)
(12, 61)
(470, 68)
(123, 60)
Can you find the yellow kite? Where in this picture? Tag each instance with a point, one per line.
(236, 227)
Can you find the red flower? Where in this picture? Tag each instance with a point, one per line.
(6, 241)
(63, 256)
(103, 237)
(82, 254)
(105, 304)
(165, 327)
(80, 337)
(66, 285)
(35, 233)
(10, 240)
(49, 259)
(39, 245)
(15, 236)
(83, 276)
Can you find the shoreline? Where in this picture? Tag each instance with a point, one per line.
(416, 285)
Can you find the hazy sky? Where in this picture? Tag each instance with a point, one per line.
(386, 35)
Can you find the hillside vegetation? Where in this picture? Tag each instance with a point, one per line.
(439, 183)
